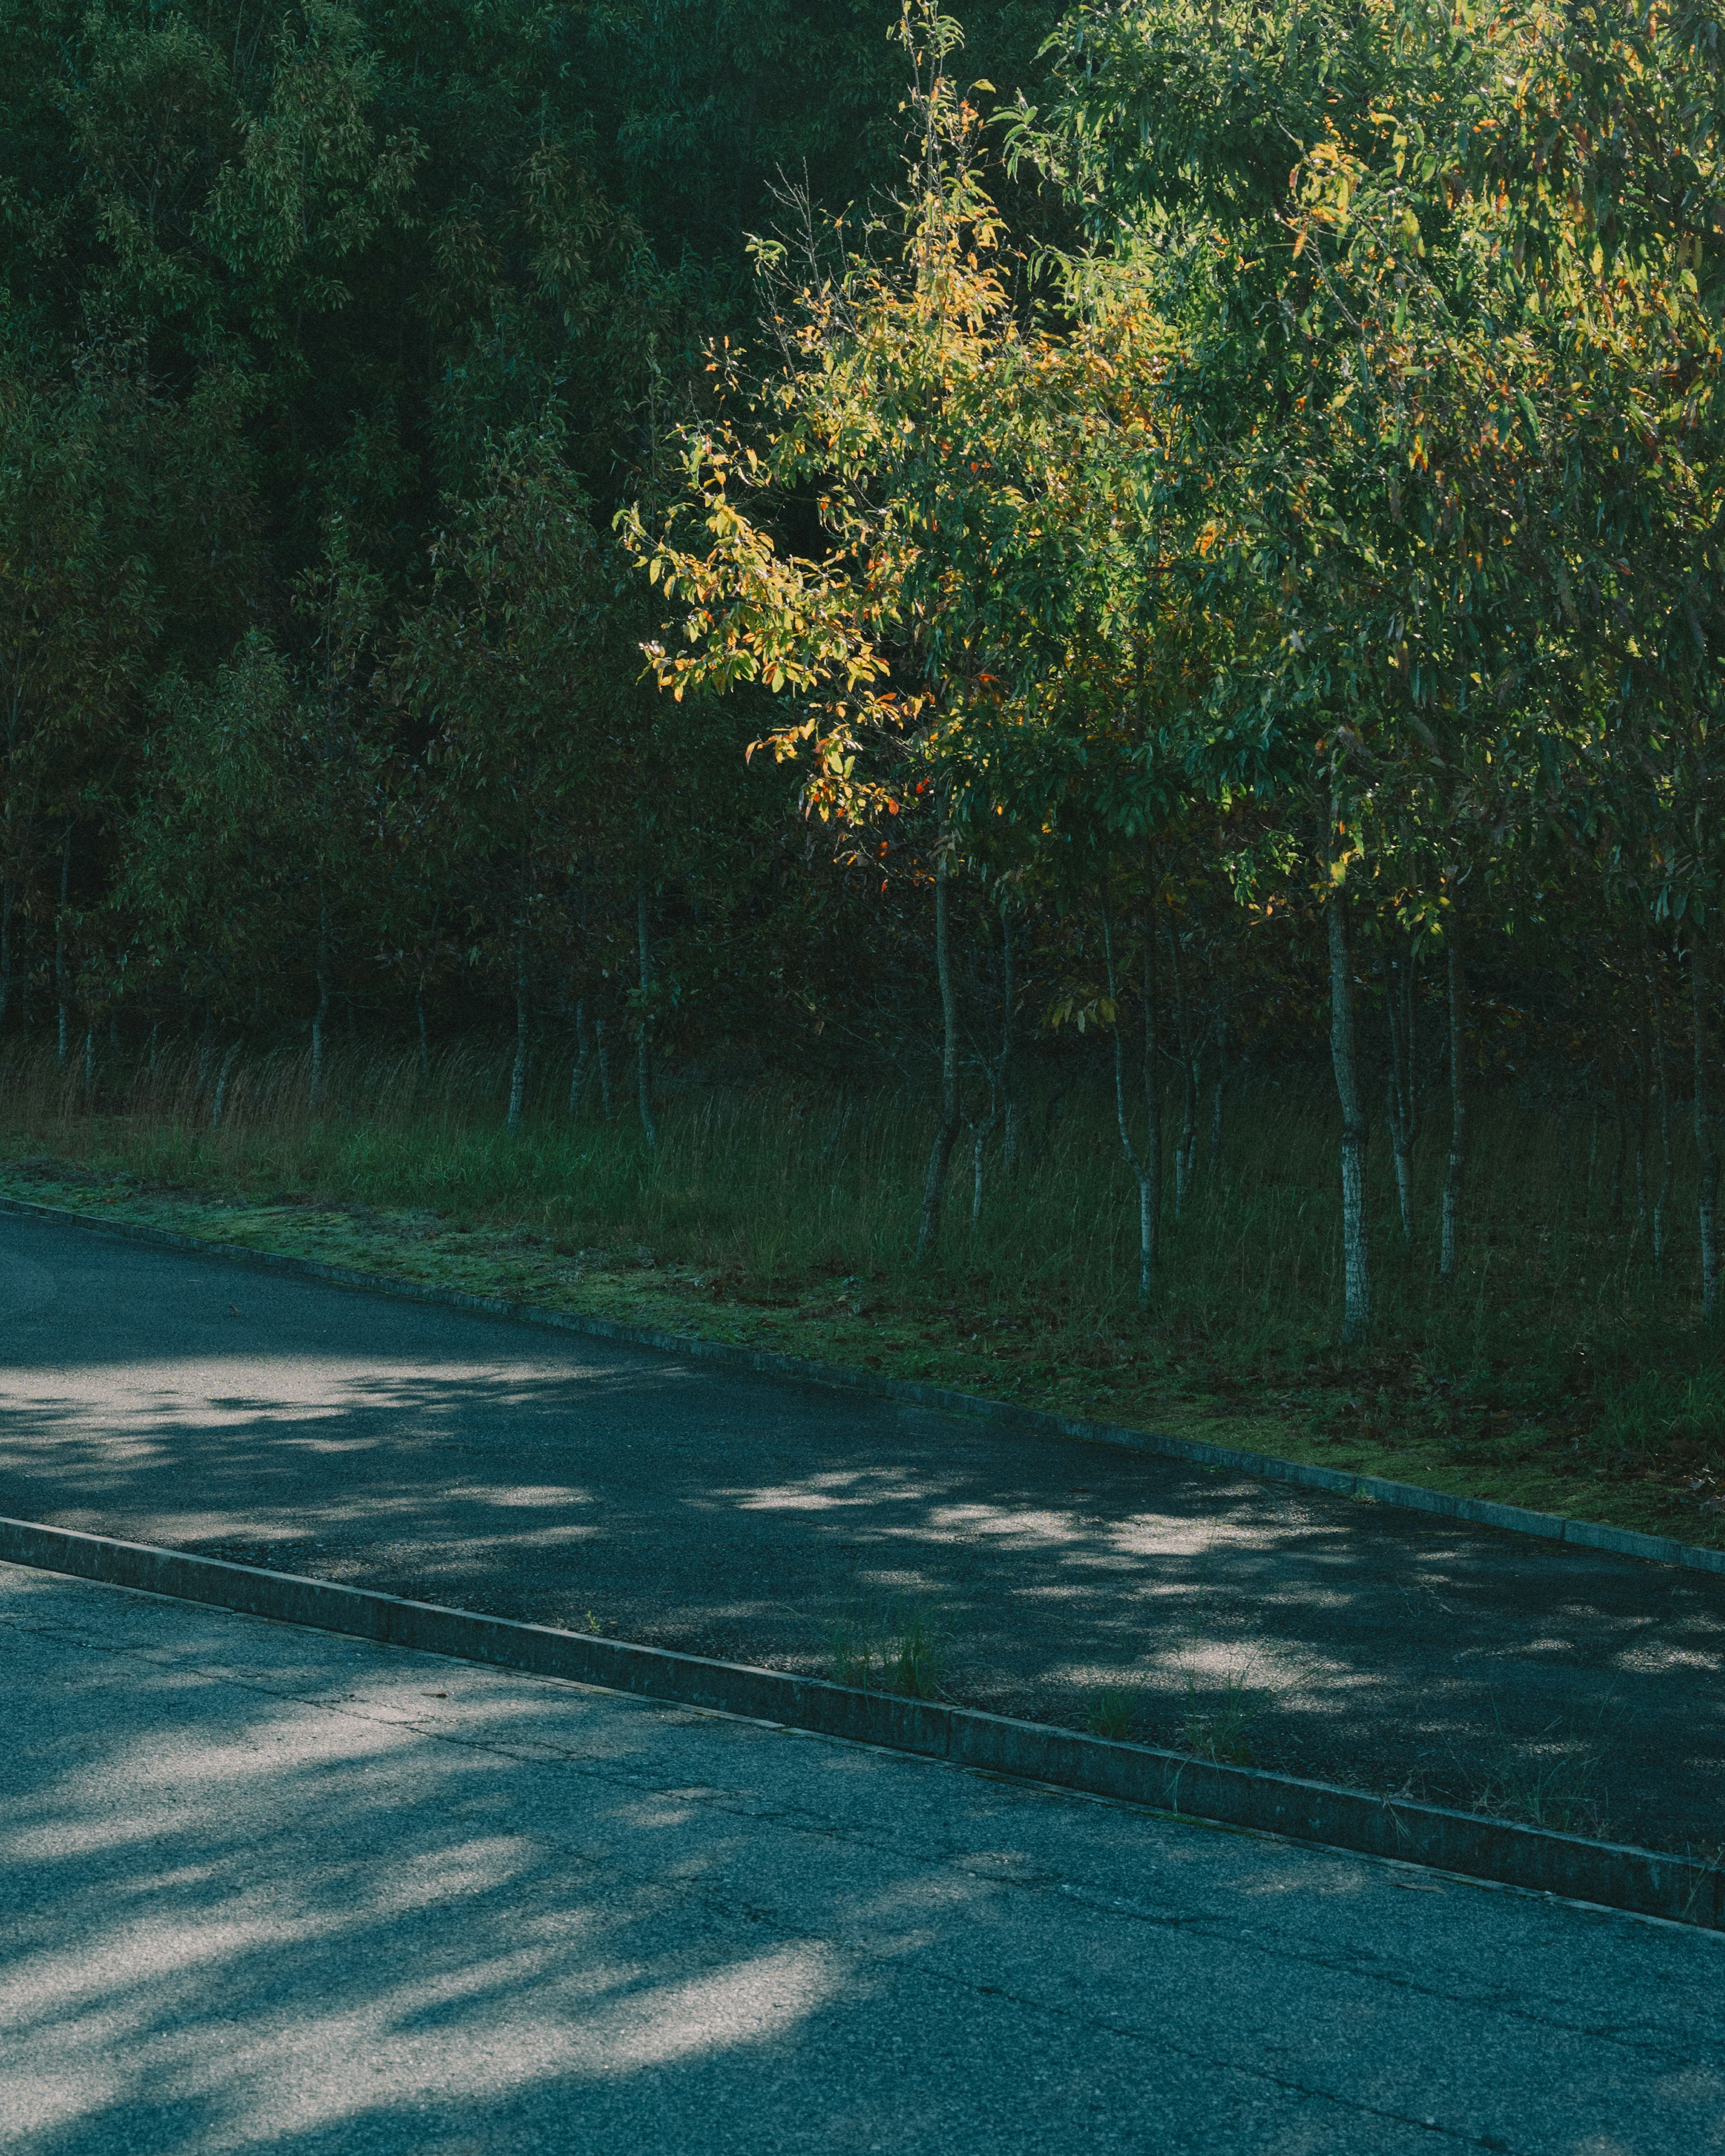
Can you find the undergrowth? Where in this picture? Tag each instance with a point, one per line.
(1561, 1368)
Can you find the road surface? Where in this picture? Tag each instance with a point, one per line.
(264, 1887)
(444, 1455)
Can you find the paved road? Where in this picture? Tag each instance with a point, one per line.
(438, 1454)
(262, 1888)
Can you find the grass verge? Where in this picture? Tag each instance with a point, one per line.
(1563, 1371)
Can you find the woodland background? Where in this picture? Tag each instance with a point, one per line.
(1049, 684)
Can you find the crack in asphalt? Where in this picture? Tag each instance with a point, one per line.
(816, 1826)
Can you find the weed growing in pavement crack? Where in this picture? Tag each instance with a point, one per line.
(1113, 1712)
(1218, 1732)
(1549, 1782)
(897, 1649)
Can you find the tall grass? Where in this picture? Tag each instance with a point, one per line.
(777, 1187)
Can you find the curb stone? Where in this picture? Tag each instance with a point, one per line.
(764, 1361)
(1609, 1875)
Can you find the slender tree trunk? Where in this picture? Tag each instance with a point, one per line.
(1622, 1152)
(578, 1076)
(1186, 1148)
(89, 1059)
(1146, 1167)
(1401, 1152)
(1456, 1166)
(984, 1132)
(1707, 1186)
(1356, 1250)
(644, 1051)
(321, 1017)
(1404, 1100)
(518, 1072)
(934, 1183)
(1640, 1145)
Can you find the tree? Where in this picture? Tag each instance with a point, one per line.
(908, 413)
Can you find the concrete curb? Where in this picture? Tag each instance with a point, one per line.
(1407, 1497)
(1610, 1875)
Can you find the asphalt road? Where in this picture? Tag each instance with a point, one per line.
(438, 1454)
(263, 1887)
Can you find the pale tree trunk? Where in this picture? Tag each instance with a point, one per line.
(644, 1050)
(946, 1136)
(1707, 1186)
(89, 1059)
(1404, 1117)
(1146, 1167)
(1186, 1148)
(518, 1072)
(983, 1130)
(1356, 1251)
(1456, 1166)
(602, 1056)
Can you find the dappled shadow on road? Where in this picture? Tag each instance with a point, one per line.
(462, 1461)
(265, 1888)
(319, 1931)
